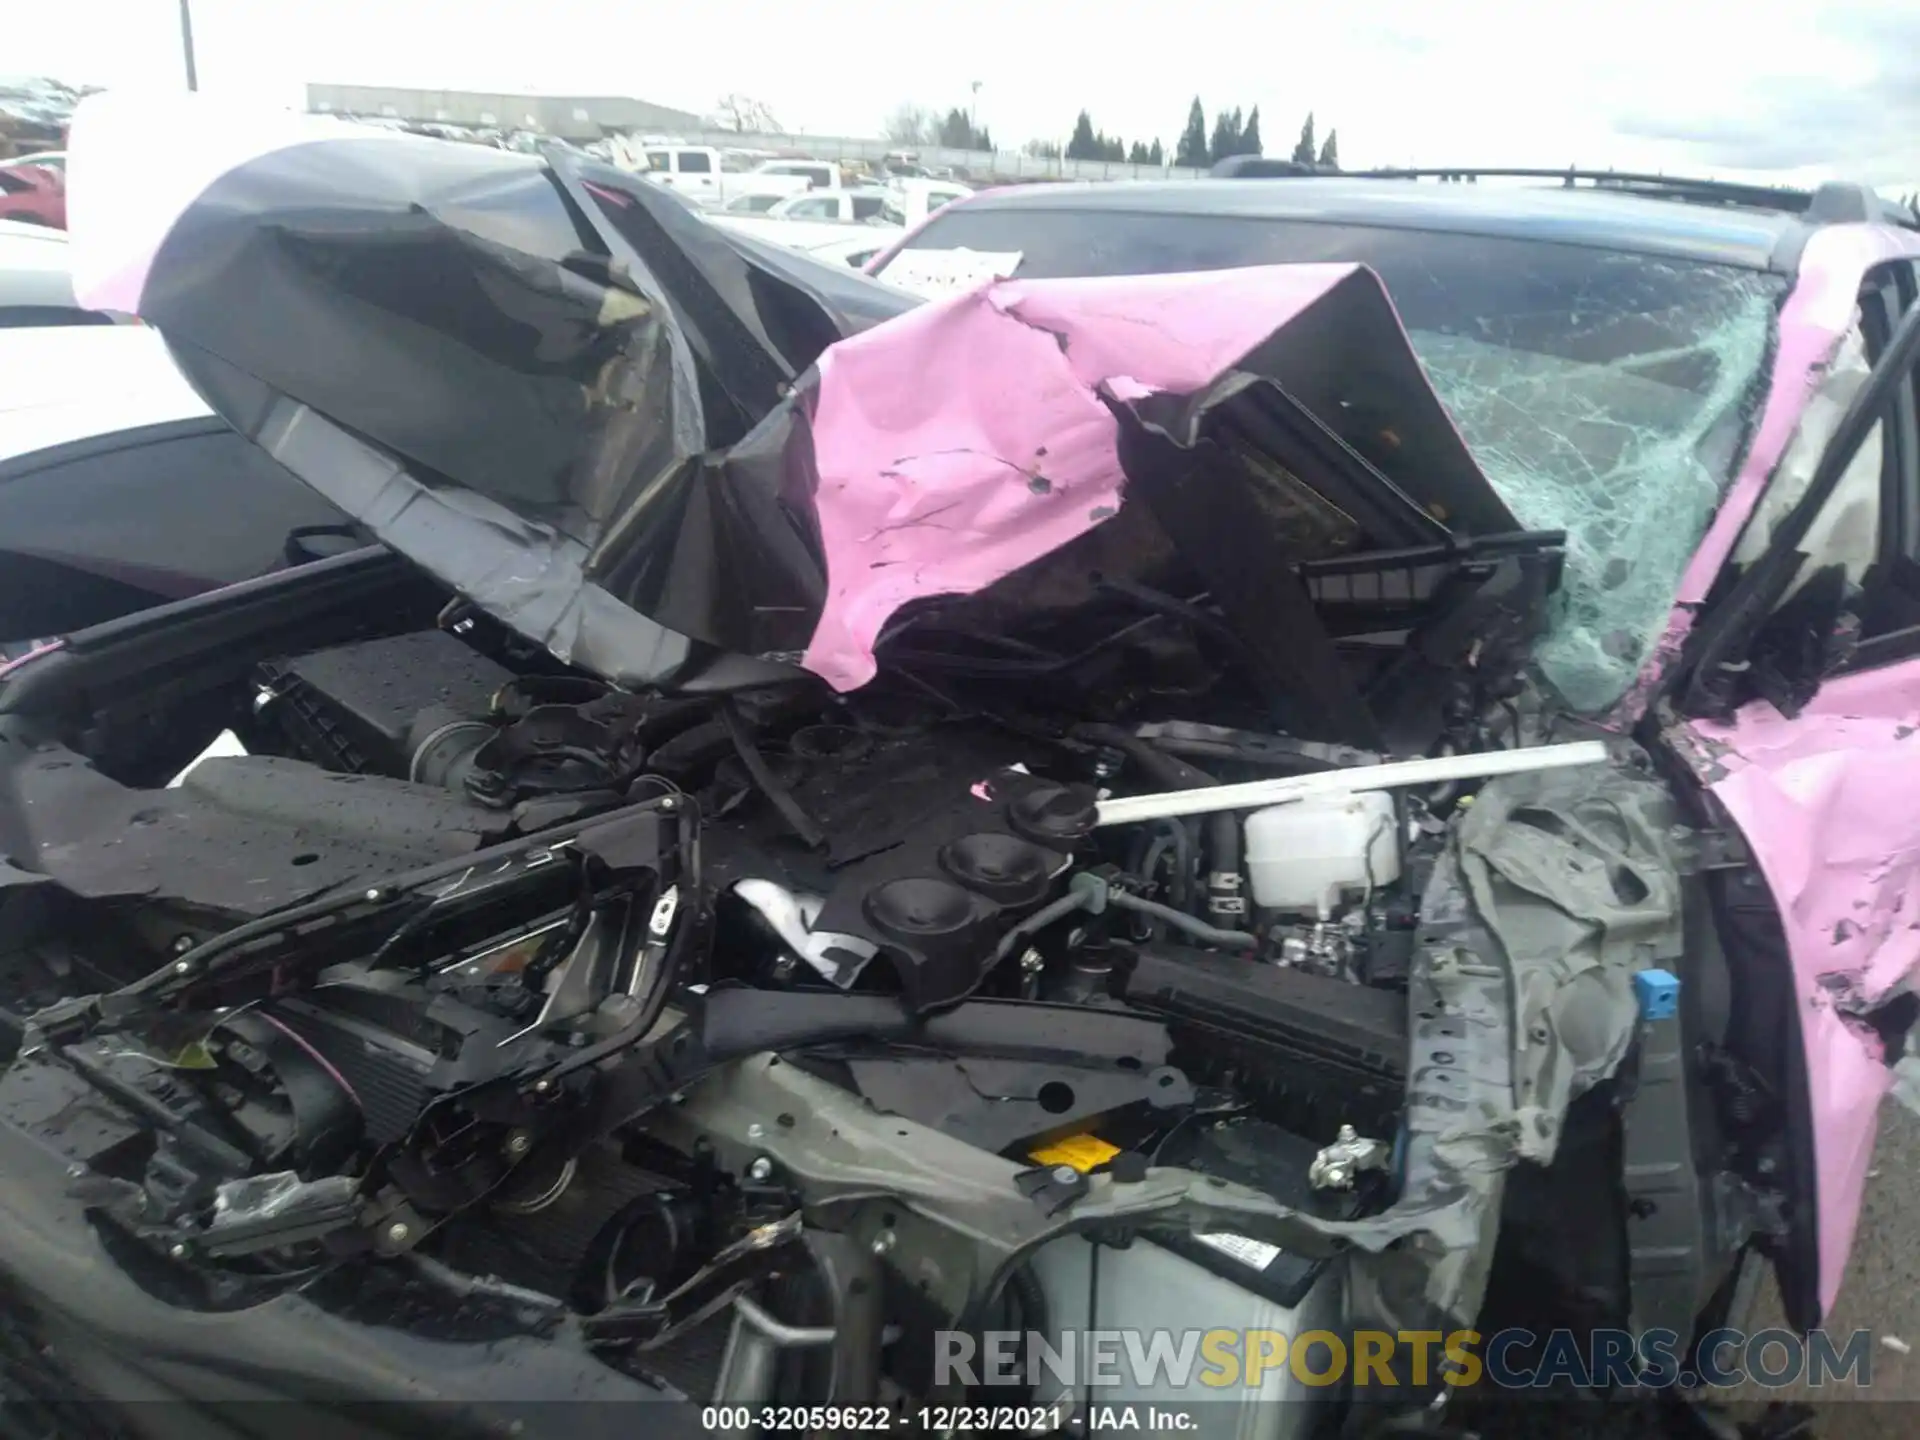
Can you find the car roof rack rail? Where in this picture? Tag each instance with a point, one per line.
(1835, 202)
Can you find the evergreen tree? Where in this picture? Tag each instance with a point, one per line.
(1157, 156)
(1226, 137)
(955, 133)
(1192, 150)
(1250, 137)
(1304, 152)
(1083, 145)
(1330, 152)
(1137, 154)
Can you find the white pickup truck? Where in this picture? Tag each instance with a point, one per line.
(897, 206)
(844, 206)
(850, 225)
(714, 178)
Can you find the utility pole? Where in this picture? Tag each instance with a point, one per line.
(186, 42)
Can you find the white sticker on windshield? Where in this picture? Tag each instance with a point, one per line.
(1255, 1253)
(936, 274)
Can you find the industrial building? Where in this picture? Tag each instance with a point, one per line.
(579, 118)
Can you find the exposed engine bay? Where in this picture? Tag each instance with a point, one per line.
(704, 1022)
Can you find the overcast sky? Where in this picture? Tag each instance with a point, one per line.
(1728, 87)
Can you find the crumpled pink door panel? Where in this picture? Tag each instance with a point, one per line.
(1828, 802)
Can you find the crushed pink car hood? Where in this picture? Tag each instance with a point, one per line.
(994, 398)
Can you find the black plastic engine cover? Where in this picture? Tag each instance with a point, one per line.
(937, 905)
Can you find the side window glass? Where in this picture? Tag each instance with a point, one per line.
(866, 207)
(695, 162)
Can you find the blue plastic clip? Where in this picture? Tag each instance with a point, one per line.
(1659, 994)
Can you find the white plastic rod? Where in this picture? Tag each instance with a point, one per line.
(1256, 793)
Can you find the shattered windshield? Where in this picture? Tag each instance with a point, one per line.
(1604, 393)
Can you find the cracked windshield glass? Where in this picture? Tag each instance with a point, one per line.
(1604, 393)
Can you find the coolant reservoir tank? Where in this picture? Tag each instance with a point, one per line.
(1302, 857)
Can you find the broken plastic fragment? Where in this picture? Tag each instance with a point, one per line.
(225, 744)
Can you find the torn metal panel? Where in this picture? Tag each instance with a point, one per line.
(960, 442)
(1580, 884)
(1829, 803)
(628, 433)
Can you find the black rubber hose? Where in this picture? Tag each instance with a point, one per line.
(1223, 829)
(803, 824)
(1180, 888)
(1223, 854)
(1197, 928)
(1168, 770)
(1024, 1288)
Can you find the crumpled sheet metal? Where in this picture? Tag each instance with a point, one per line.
(967, 438)
(627, 432)
(1829, 804)
(115, 189)
(1580, 886)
